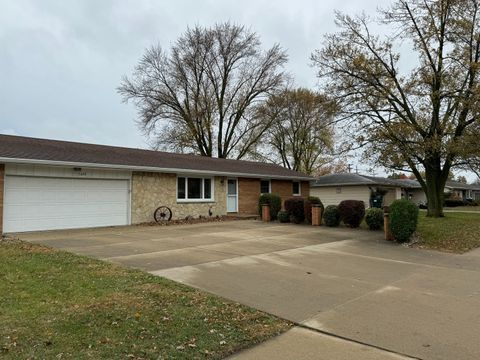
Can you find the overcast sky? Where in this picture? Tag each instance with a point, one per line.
(61, 61)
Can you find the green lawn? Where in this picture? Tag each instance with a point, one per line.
(463, 208)
(54, 304)
(456, 232)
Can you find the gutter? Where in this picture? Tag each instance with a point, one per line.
(342, 184)
(149, 169)
(313, 185)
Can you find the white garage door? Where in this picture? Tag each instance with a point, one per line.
(36, 203)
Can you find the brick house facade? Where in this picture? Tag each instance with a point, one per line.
(48, 184)
(249, 192)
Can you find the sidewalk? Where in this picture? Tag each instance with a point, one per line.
(303, 344)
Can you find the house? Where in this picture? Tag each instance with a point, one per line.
(462, 191)
(49, 184)
(333, 188)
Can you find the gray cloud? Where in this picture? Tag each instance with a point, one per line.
(61, 61)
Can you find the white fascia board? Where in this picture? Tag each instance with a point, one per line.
(146, 168)
(313, 185)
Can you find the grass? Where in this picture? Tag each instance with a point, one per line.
(463, 208)
(59, 305)
(456, 232)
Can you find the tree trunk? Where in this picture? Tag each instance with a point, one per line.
(435, 186)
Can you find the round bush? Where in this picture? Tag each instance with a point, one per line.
(295, 208)
(374, 218)
(309, 201)
(274, 201)
(331, 216)
(352, 212)
(283, 216)
(403, 219)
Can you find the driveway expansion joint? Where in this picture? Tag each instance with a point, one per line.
(343, 338)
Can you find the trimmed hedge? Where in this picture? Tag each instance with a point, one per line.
(455, 202)
(374, 218)
(295, 208)
(274, 201)
(403, 219)
(331, 216)
(309, 201)
(283, 216)
(352, 212)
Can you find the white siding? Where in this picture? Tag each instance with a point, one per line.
(329, 195)
(391, 195)
(64, 172)
(418, 196)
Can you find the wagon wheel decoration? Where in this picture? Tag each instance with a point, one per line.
(162, 214)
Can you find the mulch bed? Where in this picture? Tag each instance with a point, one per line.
(190, 220)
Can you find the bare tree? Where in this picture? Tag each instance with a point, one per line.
(301, 135)
(201, 95)
(421, 118)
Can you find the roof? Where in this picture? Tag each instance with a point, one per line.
(19, 149)
(461, 186)
(342, 179)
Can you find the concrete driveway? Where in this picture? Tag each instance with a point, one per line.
(355, 295)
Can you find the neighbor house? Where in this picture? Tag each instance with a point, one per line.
(462, 191)
(333, 188)
(48, 184)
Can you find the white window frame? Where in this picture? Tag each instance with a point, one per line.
(299, 188)
(269, 186)
(202, 199)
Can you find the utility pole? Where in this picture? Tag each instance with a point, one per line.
(349, 166)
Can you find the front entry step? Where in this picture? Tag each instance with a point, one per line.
(244, 216)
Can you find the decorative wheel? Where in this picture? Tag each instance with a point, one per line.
(162, 214)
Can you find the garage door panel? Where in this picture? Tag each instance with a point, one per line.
(48, 211)
(105, 196)
(33, 203)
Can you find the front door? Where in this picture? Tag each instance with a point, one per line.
(232, 195)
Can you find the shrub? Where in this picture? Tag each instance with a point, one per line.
(309, 201)
(274, 201)
(295, 208)
(454, 202)
(331, 216)
(283, 216)
(374, 218)
(403, 219)
(352, 212)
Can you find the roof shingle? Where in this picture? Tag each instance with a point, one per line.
(26, 148)
(342, 179)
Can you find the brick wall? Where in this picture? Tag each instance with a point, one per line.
(305, 188)
(2, 179)
(282, 188)
(249, 192)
